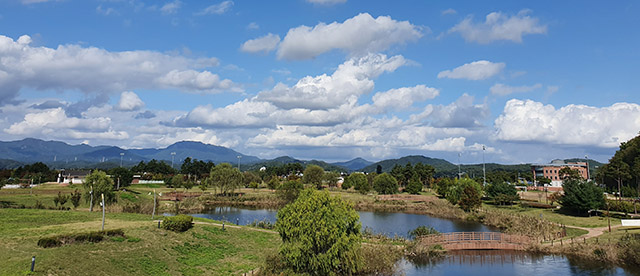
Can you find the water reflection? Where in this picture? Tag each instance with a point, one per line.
(504, 262)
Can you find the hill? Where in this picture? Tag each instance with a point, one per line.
(387, 165)
(354, 165)
(282, 160)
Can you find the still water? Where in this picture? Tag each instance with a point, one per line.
(481, 262)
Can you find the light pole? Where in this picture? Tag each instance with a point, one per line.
(484, 171)
(459, 154)
(239, 156)
(173, 154)
(586, 157)
(121, 155)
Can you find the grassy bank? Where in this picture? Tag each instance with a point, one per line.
(146, 250)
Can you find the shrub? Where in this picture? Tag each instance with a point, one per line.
(264, 224)
(620, 206)
(49, 242)
(75, 198)
(385, 184)
(422, 231)
(326, 248)
(502, 193)
(581, 196)
(415, 186)
(114, 232)
(289, 190)
(179, 223)
(38, 205)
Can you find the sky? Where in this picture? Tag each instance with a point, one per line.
(527, 81)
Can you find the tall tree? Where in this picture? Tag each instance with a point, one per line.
(618, 170)
(385, 184)
(100, 183)
(567, 173)
(121, 175)
(327, 248)
(313, 174)
(581, 196)
(225, 177)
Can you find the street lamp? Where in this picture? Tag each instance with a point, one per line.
(173, 154)
(459, 154)
(121, 155)
(484, 171)
(239, 156)
(586, 157)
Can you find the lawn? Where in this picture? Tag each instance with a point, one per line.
(554, 215)
(146, 250)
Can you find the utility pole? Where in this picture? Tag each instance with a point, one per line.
(121, 155)
(484, 171)
(459, 174)
(91, 199)
(154, 204)
(239, 156)
(173, 155)
(586, 157)
(102, 212)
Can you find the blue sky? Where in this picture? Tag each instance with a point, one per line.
(326, 79)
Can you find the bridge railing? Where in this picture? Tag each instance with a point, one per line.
(465, 237)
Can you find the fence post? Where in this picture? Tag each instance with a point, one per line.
(33, 263)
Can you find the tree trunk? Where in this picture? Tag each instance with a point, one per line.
(619, 189)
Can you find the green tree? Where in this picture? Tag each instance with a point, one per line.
(320, 235)
(414, 186)
(313, 174)
(470, 198)
(60, 199)
(289, 190)
(359, 182)
(618, 170)
(226, 178)
(567, 173)
(385, 184)
(502, 193)
(443, 185)
(122, 175)
(273, 182)
(581, 196)
(101, 184)
(332, 178)
(543, 181)
(177, 181)
(249, 177)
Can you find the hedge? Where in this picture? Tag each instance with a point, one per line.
(95, 237)
(179, 223)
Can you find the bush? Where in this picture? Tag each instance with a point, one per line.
(620, 206)
(414, 187)
(264, 224)
(114, 232)
(75, 198)
(385, 184)
(422, 231)
(179, 223)
(49, 242)
(289, 190)
(502, 193)
(320, 235)
(581, 196)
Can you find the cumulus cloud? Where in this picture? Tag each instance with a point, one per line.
(449, 11)
(253, 26)
(499, 26)
(264, 44)
(219, 8)
(327, 2)
(477, 70)
(53, 120)
(503, 89)
(129, 101)
(462, 113)
(352, 79)
(530, 121)
(358, 35)
(94, 70)
(405, 97)
(171, 7)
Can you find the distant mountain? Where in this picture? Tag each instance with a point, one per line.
(196, 150)
(354, 165)
(62, 155)
(387, 165)
(282, 160)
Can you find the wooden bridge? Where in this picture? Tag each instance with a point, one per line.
(477, 241)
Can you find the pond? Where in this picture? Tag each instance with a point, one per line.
(475, 262)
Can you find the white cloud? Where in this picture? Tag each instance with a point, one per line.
(53, 120)
(245, 113)
(530, 121)
(449, 11)
(358, 35)
(503, 89)
(405, 97)
(477, 70)
(219, 8)
(253, 26)
(106, 11)
(327, 2)
(26, 2)
(499, 26)
(171, 7)
(462, 113)
(94, 70)
(129, 101)
(264, 44)
(352, 79)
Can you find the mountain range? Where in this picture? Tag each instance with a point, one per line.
(58, 154)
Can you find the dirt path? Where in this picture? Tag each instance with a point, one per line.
(595, 232)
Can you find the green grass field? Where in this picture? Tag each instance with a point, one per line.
(554, 215)
(146, 250)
